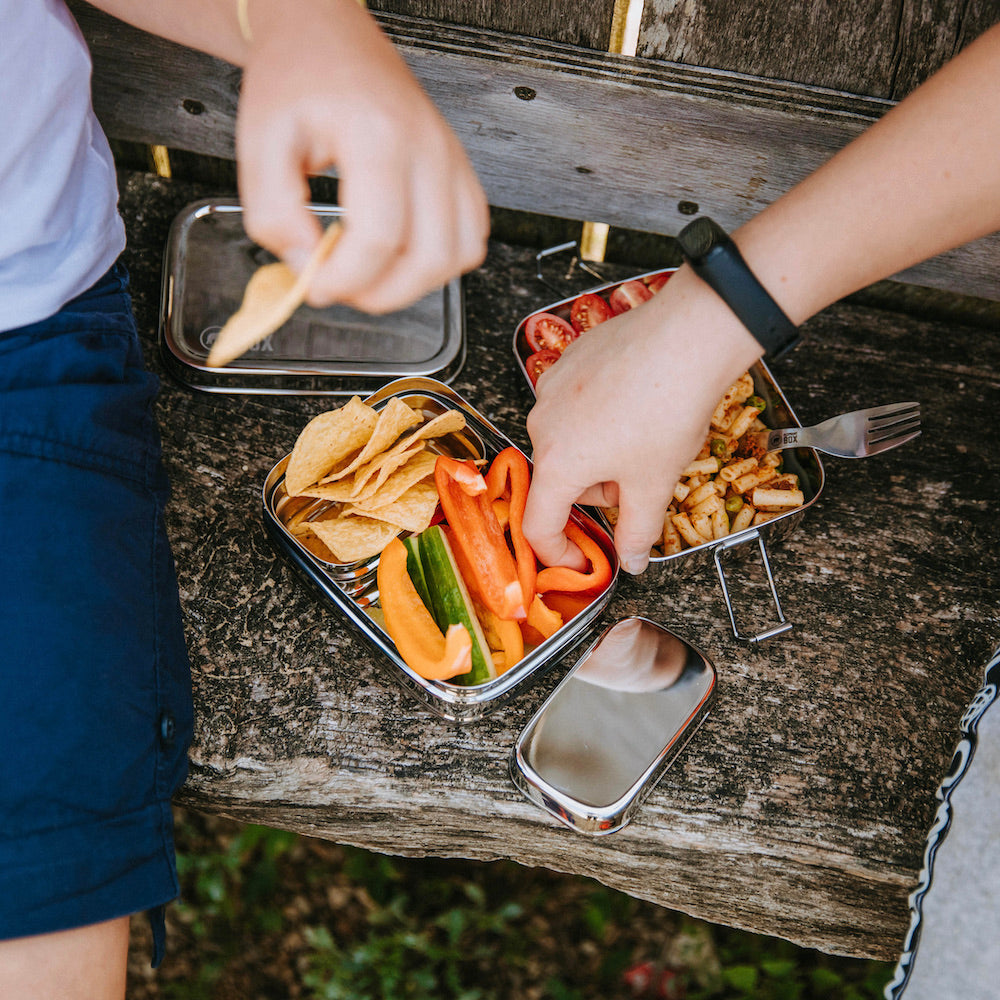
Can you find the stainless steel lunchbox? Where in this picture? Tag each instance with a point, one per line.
(352, 588)
(336, 351)
(803, 461)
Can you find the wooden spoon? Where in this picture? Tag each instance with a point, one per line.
(272, 294)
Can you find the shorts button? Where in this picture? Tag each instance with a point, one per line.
(168, 729)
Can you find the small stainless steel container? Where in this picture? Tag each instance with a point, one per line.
(335, 351)
(352, 588)
(803, 461)
(598, 745)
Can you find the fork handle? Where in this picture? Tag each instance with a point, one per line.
(783, 437)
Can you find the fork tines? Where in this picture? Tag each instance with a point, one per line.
(894, 423)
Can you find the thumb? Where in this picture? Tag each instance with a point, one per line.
(638, 528)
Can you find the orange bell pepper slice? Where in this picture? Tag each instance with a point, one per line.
(475, 532)
(569, 605)
(530, 635)
(502, 510)
(504, 638)
(545, 620)
(412, 628)
(509, 478)
(564, 578)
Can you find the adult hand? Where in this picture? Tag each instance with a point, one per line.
(622, 412)
(325, 88)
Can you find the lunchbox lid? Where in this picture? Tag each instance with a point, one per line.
(604, 737)
(334, 351)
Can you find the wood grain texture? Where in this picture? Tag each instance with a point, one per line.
(799, 809)
(587, 25)
(551, 128)
(857, 46)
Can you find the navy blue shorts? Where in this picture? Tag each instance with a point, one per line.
(95, 690)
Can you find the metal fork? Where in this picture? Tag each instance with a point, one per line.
(851, 435)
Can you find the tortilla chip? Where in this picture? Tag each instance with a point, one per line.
(374, 477)
(412, 511)
(389, 461)
(376, 473)
(326, 441)
(444, 423)
(416, 465)
(336, 492)
(394, 418)
(354, 537)
(311, 541)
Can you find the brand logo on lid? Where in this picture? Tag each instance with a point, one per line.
(211, 334)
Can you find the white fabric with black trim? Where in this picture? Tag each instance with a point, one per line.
(952, 948)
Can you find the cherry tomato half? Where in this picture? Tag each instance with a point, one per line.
(658, 281)
(546, 331)
(587, 311)
(539, 362)
(628, 295)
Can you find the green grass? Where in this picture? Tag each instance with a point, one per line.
(267, 913)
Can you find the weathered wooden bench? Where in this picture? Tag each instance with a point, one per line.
(801, 807)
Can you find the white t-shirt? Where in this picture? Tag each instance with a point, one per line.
(59, 223)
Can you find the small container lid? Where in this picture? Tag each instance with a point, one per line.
(332, 351)
(613, 725)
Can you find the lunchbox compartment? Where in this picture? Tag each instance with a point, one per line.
(352, 587)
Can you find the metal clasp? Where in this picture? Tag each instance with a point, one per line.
(783, 625)
(576, 263)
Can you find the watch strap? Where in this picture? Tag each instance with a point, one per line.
(716, 259)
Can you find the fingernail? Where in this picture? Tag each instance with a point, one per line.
(635, 564)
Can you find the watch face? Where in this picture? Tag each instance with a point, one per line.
(698, 237)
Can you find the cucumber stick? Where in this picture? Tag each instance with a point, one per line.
(415, 570)
(450, 603)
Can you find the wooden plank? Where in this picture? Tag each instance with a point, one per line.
(587, 25)
(857, 46)
(798, 810)
(552, 129)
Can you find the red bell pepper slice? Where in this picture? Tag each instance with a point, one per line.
(569, 605)
(509, 477)
(476, 533)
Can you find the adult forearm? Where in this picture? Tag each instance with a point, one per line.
(922, 180)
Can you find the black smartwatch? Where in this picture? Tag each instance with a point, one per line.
(716, 259)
